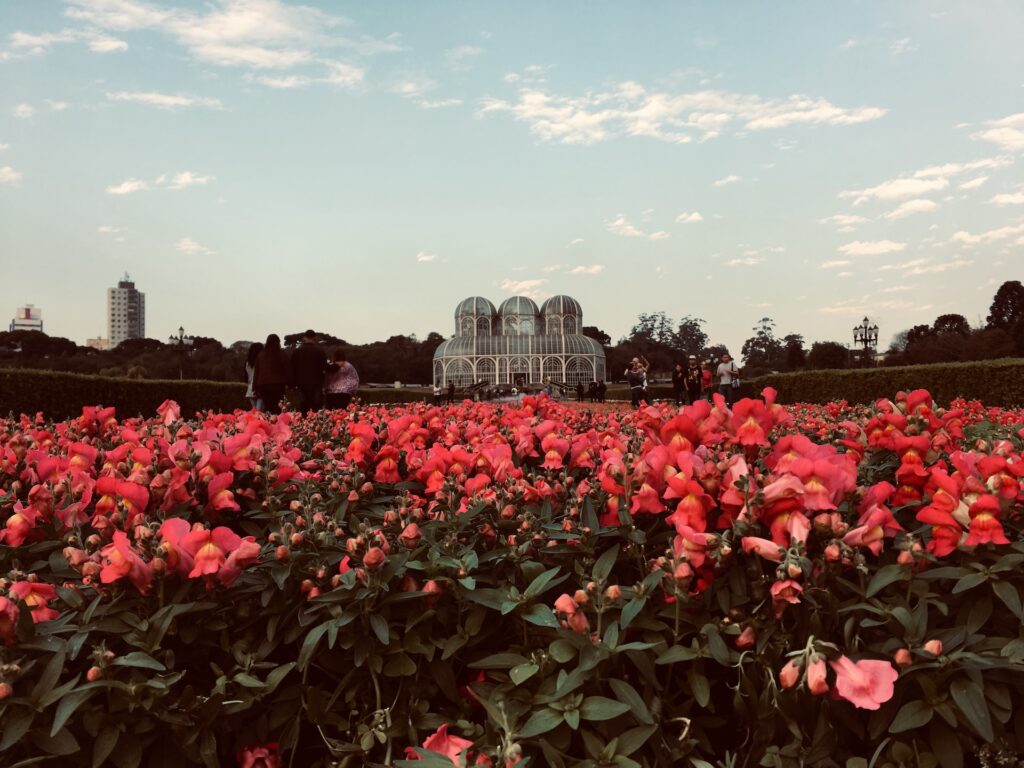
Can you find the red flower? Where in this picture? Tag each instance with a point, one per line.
(259, 756)
(120, 560)
(37, 596)
(8, 620)
(785, 593)
(220, 552)
(19, 525)
(218, 496)
(440, 742)
(866, 684)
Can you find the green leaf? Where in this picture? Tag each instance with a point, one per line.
(631, 610)
(139, 660)
(278, 674)
(971, 700)
(946, 745)
(605, 563)
(676, 654)
(913, 714)
(611, 635)
(969, 582)
(601, 708)
(128, 753)
(104, 745)
(523, 672)
(885, 576)
(400, 665)
(247, 680)
(67, 707)
(17, 721)
(572, 718)
(539, 584)
(1006, 592)
(48, 679)
(541, 721)
(499, 661)
(699, 686)
(63, 743)
(541, 615)
(630, 741)
(562, 651)
(310, 643)
(627, 694)
(379, 625)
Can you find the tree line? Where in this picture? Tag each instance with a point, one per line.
(655, 336)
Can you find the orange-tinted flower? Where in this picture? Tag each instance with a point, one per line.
(442, 743)
(259, 756)
(866, 684)
(19, 525)
(120, 561)
(37, 596)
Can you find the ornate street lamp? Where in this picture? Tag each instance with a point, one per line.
(865, 336)
(183, 344)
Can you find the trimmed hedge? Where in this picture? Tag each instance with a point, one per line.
(994, 382)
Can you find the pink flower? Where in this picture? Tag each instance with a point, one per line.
(259, 756)
(816, 682)
(120, 560)
(37, 596)
(440, 742)
(766, 548)
(785, 593)
(866, 684)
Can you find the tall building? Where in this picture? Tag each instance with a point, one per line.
(126, 312)
(27, 318)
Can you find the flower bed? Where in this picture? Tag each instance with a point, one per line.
(538, 584)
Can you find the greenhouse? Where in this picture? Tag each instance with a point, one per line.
(518, 344)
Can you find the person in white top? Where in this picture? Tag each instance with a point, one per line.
(727, 373)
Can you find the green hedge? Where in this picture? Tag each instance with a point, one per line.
(994, 382)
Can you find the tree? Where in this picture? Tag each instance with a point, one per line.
(918, 334)
(793, 353)
(951, 324)
(597, 335)
(828, 354)
(1007, 308)
(690, 338)
(762, 350)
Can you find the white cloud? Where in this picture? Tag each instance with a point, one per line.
(991, 236)
(835, 263)
(1008, 198)
(620, 226)
(593, 269)
(57, 106)
(107, 45)
(910, 207)
(9, 176)
(896, 189)
(973, 183)
(630, 109)
(164, 100)
(952, 169)
(423, 256)
(947, 266)
(844, 220)
(438, 103)
(26, 40)
(552, 268)
(689, 218)
(186, 179)
(127, 187)
(461, 57)
(726, 180)
(24, 111)
(575, 241)
(659, 235)
(903, 266)
(106, 229)
(192, 248)
(747, 261)
(531, 288)
(871, 247)
(342, 75)
(904, 45)
(1006, 133)
(897, 289)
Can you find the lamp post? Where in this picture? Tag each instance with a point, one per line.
(183, 344)
(865, 335)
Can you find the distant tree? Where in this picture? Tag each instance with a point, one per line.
(133, 347)
(793, 353)
(690, 338)
(828, 354)
(714, 353)
(918, 334)
(762, 351)
(951, 324)
(597, 335)
(1007, 308)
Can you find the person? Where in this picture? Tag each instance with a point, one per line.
(309, 364)
(437, 394)
(579, 392)
(250, 371)
(678, 383)
(272, 374)
(706, 380)
(636, 377)
(602, 390)
(451, 392)
(341, 382)
(727, 374)
(592, 391)
(693, 380)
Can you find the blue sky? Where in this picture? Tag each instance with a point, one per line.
(266, 166)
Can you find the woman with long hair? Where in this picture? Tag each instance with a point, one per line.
(250, 371)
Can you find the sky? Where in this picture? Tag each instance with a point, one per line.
(265, 166)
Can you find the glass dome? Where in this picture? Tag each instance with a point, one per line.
(519, 315)
(475, 305)
(561, 305)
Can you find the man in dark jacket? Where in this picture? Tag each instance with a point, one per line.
(309, 364)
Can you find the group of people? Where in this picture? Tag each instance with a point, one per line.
(692, 382)
(595, 392)
(319, 382)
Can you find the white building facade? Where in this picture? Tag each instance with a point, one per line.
(27, 318)
(518, 344)
(126, 313)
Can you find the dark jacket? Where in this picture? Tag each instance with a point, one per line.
(309, 363)
(272, 369)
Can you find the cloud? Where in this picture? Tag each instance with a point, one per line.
(4, 147)
(26, 43)
(9, 176)
(423, 256)
(24, 111)
(531, 288)
(932, 178)
(1008, 198)
(127, 187)
(991, 236)
(689, 218)
(192, 248)
(107, 45)
(552, 268)
(187, 179)
(910, 207)
(462, 57)
(57, 106)
(901, 46)
(726, 180)
(630, 109)
(835, 263)
(746, 261)
(106, 229)
(871, 247)
(575, 241)
(947, 266)
(973, 183)
(593, 269)
(1007, 133)
(846, 222)
(164, 100)
(897, 289)
(416, 88)
(621, 226)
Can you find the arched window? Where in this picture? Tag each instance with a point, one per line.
(483, 326)
(570, 326)
(460, 372)
(553, 369)
(485, 371)
(510, 326)
(526, 327)
(518, 371)
(467, 326)
(439, 374)
(553, 325)
(579, 371)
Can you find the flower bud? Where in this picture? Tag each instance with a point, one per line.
(410, 535)
(934, 647)
(902, 658)
(816, 682)
(374, 558)
(832, 552)
(747, 639)
(614, 592)
(282, 553)
(5, 691)
(581, 597)
(905, 558)
(789, 675)
(94, 674)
